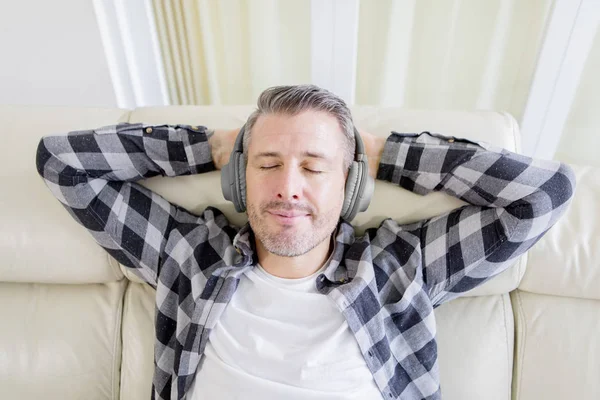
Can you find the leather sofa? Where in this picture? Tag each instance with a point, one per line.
(76, 325)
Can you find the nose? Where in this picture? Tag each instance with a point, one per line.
(289, 183)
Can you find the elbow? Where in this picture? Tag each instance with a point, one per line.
(42, 156)
(560, 188)
(547, 204)
(570, 174)
(556, 193)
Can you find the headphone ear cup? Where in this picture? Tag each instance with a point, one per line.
(367, 194)
(233, 175)
(241, 181)
(227, 182)
(352, 183)
(230, 183)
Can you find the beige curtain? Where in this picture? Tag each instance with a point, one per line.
(580, 140)
(228, 51)
(433, 54)
(453, 54)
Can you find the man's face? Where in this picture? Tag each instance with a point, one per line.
(283, 152)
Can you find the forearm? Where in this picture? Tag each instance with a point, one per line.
(478, 173)
(125, 152)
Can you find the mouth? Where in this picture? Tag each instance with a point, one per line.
(288, 217)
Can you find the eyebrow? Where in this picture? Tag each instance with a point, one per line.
(311, 154)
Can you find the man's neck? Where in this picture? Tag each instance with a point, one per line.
(294, 267)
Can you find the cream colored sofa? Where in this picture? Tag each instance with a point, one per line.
(76, 325)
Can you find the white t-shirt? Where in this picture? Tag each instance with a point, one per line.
(278, 339)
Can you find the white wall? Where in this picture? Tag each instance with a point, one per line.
(51, 54)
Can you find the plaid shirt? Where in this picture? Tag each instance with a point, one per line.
(386, 283)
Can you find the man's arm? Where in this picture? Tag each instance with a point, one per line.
(513, 200)
(93, 172)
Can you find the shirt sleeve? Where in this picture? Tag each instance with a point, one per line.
(93, 172)
(513, 201)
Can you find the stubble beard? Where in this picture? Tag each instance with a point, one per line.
(295, 240)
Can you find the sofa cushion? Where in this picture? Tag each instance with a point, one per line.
(137, 366)
(557, 346)
(475, 342)
(60, 341)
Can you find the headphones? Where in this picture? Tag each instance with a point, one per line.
(359, 184)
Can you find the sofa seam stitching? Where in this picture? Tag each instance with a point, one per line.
(507, 341)
(115, 267)
(522, 346)
(118, 320)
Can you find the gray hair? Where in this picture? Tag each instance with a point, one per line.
(292, 100)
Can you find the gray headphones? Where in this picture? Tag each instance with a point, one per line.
(359, 184)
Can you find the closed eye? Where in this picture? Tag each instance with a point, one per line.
(309, 170)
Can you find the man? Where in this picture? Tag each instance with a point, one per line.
(292, 305)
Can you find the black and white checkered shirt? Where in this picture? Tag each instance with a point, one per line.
(386, 283)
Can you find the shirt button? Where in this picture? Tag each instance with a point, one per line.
(148, 130)
(449, 140)
(370, 354)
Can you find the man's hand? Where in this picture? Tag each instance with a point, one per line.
(374, 149)
(221, 145)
